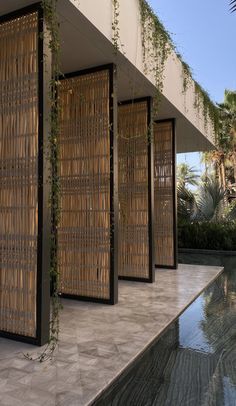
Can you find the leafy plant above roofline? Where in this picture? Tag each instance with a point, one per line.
(157, 46)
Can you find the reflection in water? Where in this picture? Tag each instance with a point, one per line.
(193, 363)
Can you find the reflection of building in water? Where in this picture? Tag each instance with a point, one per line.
(193, 362)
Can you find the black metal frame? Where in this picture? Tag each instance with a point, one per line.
(113, 184)
(43, 256)
(173, 122)
(151, 277)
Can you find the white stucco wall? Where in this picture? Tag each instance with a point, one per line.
(100, 14)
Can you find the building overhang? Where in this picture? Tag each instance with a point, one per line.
(86, 41)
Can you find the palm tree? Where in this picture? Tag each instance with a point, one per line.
(232, 5)
(227, 138)
(187, 175)
(224, 158)
(206, 204)
(203, 205)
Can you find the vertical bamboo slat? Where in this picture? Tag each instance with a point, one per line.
(18, 174)
(84, 170)
(164, 205)
(133, 190)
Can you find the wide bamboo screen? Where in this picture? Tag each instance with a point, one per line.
(164, 194)
(18, 174)
(133, 190)
(84, 234)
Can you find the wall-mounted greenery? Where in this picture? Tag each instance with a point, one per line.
(210, 110)
(52, 27)
(115, 25)
(157, 45)
(186, 74)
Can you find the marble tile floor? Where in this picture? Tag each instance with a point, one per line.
(98, 341)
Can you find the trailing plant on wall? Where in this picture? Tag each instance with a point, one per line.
(186, 74)
(52, 26)
(51, 19)
(210, 110)
(115, 25)
(157, 45)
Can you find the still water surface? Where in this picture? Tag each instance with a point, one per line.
(193, 363)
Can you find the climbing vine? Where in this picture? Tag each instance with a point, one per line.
(210, 110)
(187, 76)
(157, 45)
(52, 25)
(115, 25)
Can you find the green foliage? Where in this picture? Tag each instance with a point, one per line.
(157, 45)
(187, 175)
(210, 110)
(223, 160)
(205, 235)
(187, 206)
(232, 5)
(115, 25)
(227, 129)
(203, 220)
(51, 19)
(187, 75)
(52, 24)
(230, 100)
(208, 203)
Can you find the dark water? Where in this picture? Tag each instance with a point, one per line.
(193, 363)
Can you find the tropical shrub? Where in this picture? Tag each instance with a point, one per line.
(207, 235)
(205, 221)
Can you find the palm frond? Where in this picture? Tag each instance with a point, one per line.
(206, 207)
(186, 203)
(210, 201)
(187, 175)
(231, 215)
(232, 5)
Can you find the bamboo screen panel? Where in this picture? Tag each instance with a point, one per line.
(133, 190)
(18, 174)
(164, 194)
(84, 232)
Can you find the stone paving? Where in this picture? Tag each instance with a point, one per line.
(98, 341)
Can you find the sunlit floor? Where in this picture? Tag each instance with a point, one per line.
(97, 342)
(193, 362)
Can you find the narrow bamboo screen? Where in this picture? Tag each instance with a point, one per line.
(18, 174)
(164, 194)
(84, 232)
(133, 190)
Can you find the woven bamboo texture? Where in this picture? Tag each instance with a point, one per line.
(84, 232)
(164, 194)
(18, 174)
(133, 190)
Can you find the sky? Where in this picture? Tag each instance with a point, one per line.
(204, 32)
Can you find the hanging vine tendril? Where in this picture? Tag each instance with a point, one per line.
(115, 25)
(52, 25)
(157, 45)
